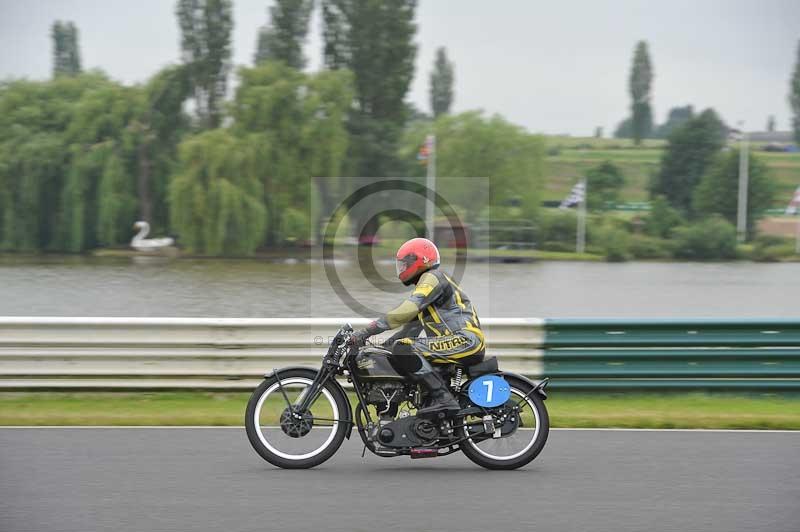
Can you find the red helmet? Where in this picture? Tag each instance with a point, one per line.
(416, 256)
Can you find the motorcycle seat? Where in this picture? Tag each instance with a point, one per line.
(488, 365)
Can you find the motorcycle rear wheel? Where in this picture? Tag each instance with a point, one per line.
(488, 452)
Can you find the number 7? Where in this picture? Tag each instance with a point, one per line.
(489, 385)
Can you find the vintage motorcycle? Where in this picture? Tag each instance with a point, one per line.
(298, 417)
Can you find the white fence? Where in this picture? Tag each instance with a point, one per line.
(200, 353)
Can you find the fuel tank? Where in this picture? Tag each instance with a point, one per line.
(372, 363)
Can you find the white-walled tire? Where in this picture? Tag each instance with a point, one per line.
(316, 441)
(537, 427)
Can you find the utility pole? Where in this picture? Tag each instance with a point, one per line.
(741, 215)
(580, 244)
(797, 236)
(430, 185)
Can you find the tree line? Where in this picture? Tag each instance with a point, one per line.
(83, 156)
(641, 125)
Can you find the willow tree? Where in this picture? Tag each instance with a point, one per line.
(99, 199)
(301, 121)
(216, 198)
(35, 157)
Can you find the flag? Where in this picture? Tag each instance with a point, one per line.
(794, 205)
(425, 150)
(576, 196)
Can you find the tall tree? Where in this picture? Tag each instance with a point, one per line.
(794, 97)
(334, 35)
(374, 40)
(206, 50)
(690, 150)
(66, 51)
(283, 38)
(639, 83)
(160, 126)
(441, 83)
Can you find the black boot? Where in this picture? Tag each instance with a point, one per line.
(440, 400)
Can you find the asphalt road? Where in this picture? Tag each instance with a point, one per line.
(209, 479)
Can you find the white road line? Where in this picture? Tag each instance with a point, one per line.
(241, 427)
(620, 429)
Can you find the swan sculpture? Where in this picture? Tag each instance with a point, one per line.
(140, 242)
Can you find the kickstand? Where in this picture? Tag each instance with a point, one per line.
(364, 451)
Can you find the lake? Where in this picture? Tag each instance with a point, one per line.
(142, 286)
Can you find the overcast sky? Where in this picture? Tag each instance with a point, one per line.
(553, 67)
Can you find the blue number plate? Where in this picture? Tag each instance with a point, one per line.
(489, 391)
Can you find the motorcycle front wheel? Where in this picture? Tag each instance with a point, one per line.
(289, 438)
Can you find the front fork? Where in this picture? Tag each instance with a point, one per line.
(311, 393)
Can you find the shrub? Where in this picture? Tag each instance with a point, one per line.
(612, 242)
(712, 238)
(662, 219)
(648, 247)
(771, 248)
(554, 151)
(558, 226)
(558, 246)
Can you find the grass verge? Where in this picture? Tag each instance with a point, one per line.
(566, 410)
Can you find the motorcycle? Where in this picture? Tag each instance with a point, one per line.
(299, 417)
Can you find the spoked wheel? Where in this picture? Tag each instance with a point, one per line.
(290, 438)
(522, 435)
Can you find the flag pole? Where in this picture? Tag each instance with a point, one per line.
(741, 215)
(580, 244)
(430, 185)
(797, 235)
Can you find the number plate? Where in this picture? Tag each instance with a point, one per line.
(489, 391)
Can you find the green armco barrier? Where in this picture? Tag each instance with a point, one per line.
(740, 354)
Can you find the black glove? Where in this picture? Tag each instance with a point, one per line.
(359, 337)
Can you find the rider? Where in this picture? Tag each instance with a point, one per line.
(440, 308)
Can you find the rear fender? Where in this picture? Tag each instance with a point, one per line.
(312, 373)
(537, 386)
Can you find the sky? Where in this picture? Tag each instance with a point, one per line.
(551, 67)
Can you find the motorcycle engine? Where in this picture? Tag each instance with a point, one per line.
(386, 396)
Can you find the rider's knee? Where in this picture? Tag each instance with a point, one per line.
(404, 358)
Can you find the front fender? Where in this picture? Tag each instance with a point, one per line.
(312, 373)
